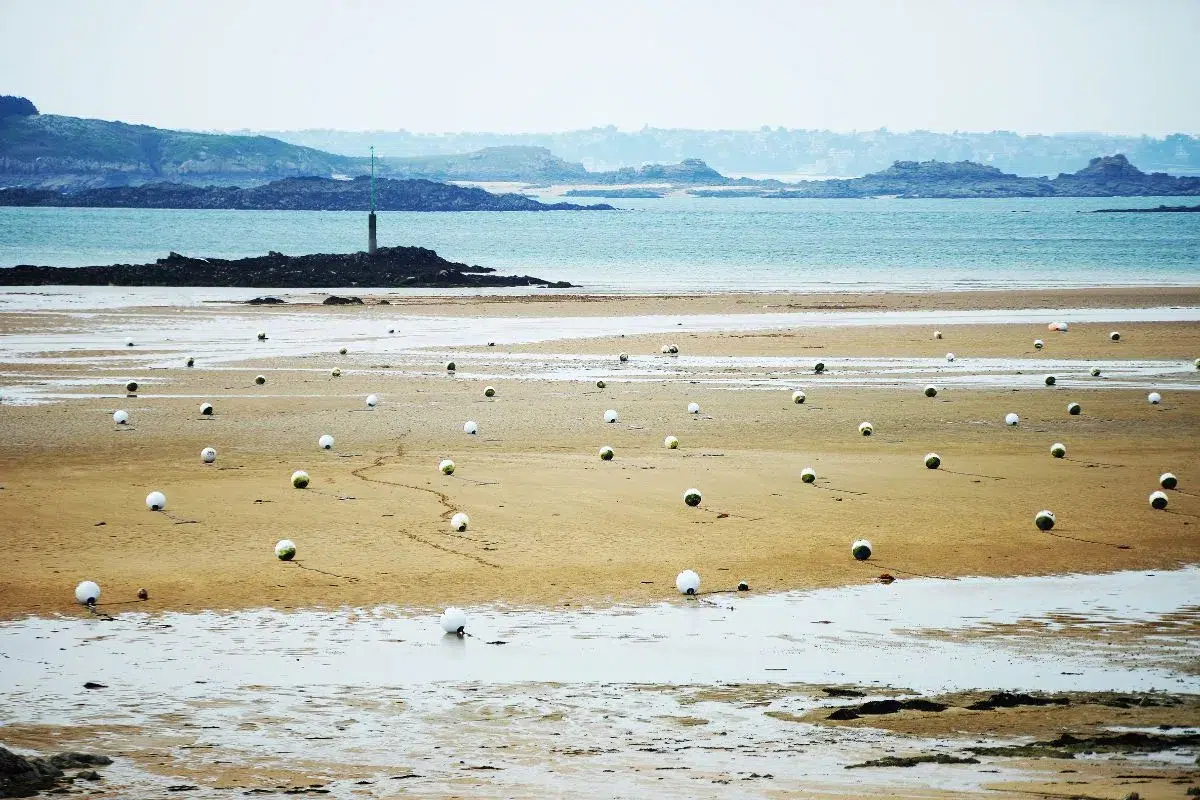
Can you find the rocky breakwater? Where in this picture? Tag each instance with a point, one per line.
(388, 268)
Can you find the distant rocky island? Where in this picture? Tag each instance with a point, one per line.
(388, 268)
(1155, 210)
(634, 192)
(292, 194)
(1108, 176)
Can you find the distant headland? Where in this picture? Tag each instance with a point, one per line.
(292, 194)
(388, 268)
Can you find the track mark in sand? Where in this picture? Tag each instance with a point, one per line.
(442, 497)
(381, 461)
(437, 546)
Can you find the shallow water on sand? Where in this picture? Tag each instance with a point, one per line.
(368, 693)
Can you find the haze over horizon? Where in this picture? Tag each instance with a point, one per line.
(538, 66)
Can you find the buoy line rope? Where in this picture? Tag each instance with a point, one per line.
(972, 474)
(179, 520)
(472, 480)
(886, 568)
(1181, 513)
(330, 494)
(841, 491)
(1087, 541)
(723, 514)
(350, 578)
(1092, 463)
(98, 613)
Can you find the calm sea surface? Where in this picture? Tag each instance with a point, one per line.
(682, 244)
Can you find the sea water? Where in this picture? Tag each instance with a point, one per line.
(681, 244)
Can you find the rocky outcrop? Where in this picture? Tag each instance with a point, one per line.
(388, 268)
(293, 194)
(1155, 210)
(25, 776)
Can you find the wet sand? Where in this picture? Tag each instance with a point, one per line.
(550, 522)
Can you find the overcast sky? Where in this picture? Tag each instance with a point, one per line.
(1025, 65)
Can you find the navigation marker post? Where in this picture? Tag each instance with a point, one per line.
(372, 246)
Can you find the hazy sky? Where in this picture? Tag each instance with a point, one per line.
(1035, 65)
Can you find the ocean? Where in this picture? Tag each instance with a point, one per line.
(682, 244)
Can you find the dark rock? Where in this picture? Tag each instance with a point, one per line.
(834, 691)
(78, 760)
(335, 300)
(88, 775)
(1012, 700)
(383, 303)
(93, 684)
(1068, 746)
(389, 267)
(265, 301)
(912, 761)
(876, 707)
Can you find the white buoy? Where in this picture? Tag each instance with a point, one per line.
(260, 379)
(601, 384)
(459, 522)
(798, 397)
(1095, 372)
(931, 391)
(325, 442)
(949, 356)
(300, 479)
(623, 357)
(1038, 344)
(808, 475)
(1058, 450)
(1044, 520)
(610, 415)
(933, 460)
(861, 550)
(1011, 419)
(490, 391)
(156, 501)
(372, 400)
(208, 455)
(1168, 480)
(87, 593)
(447, 467)
(606, 453)
(1158, 500)
(671, 442)
(470, 427)
(285, 549)
(335, 373)
(866, 429)
(693, 408)
(1115, 336)
(1051, 380)
(1155, 398)
(454, 620)
(937, 334)
(692, 497)
(206, 409)
(121, 417)
(687, 582)
(262, 336)
(1197, 363)
(1061, 327)
(1074, 409)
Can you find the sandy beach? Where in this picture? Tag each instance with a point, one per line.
(554, 527)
